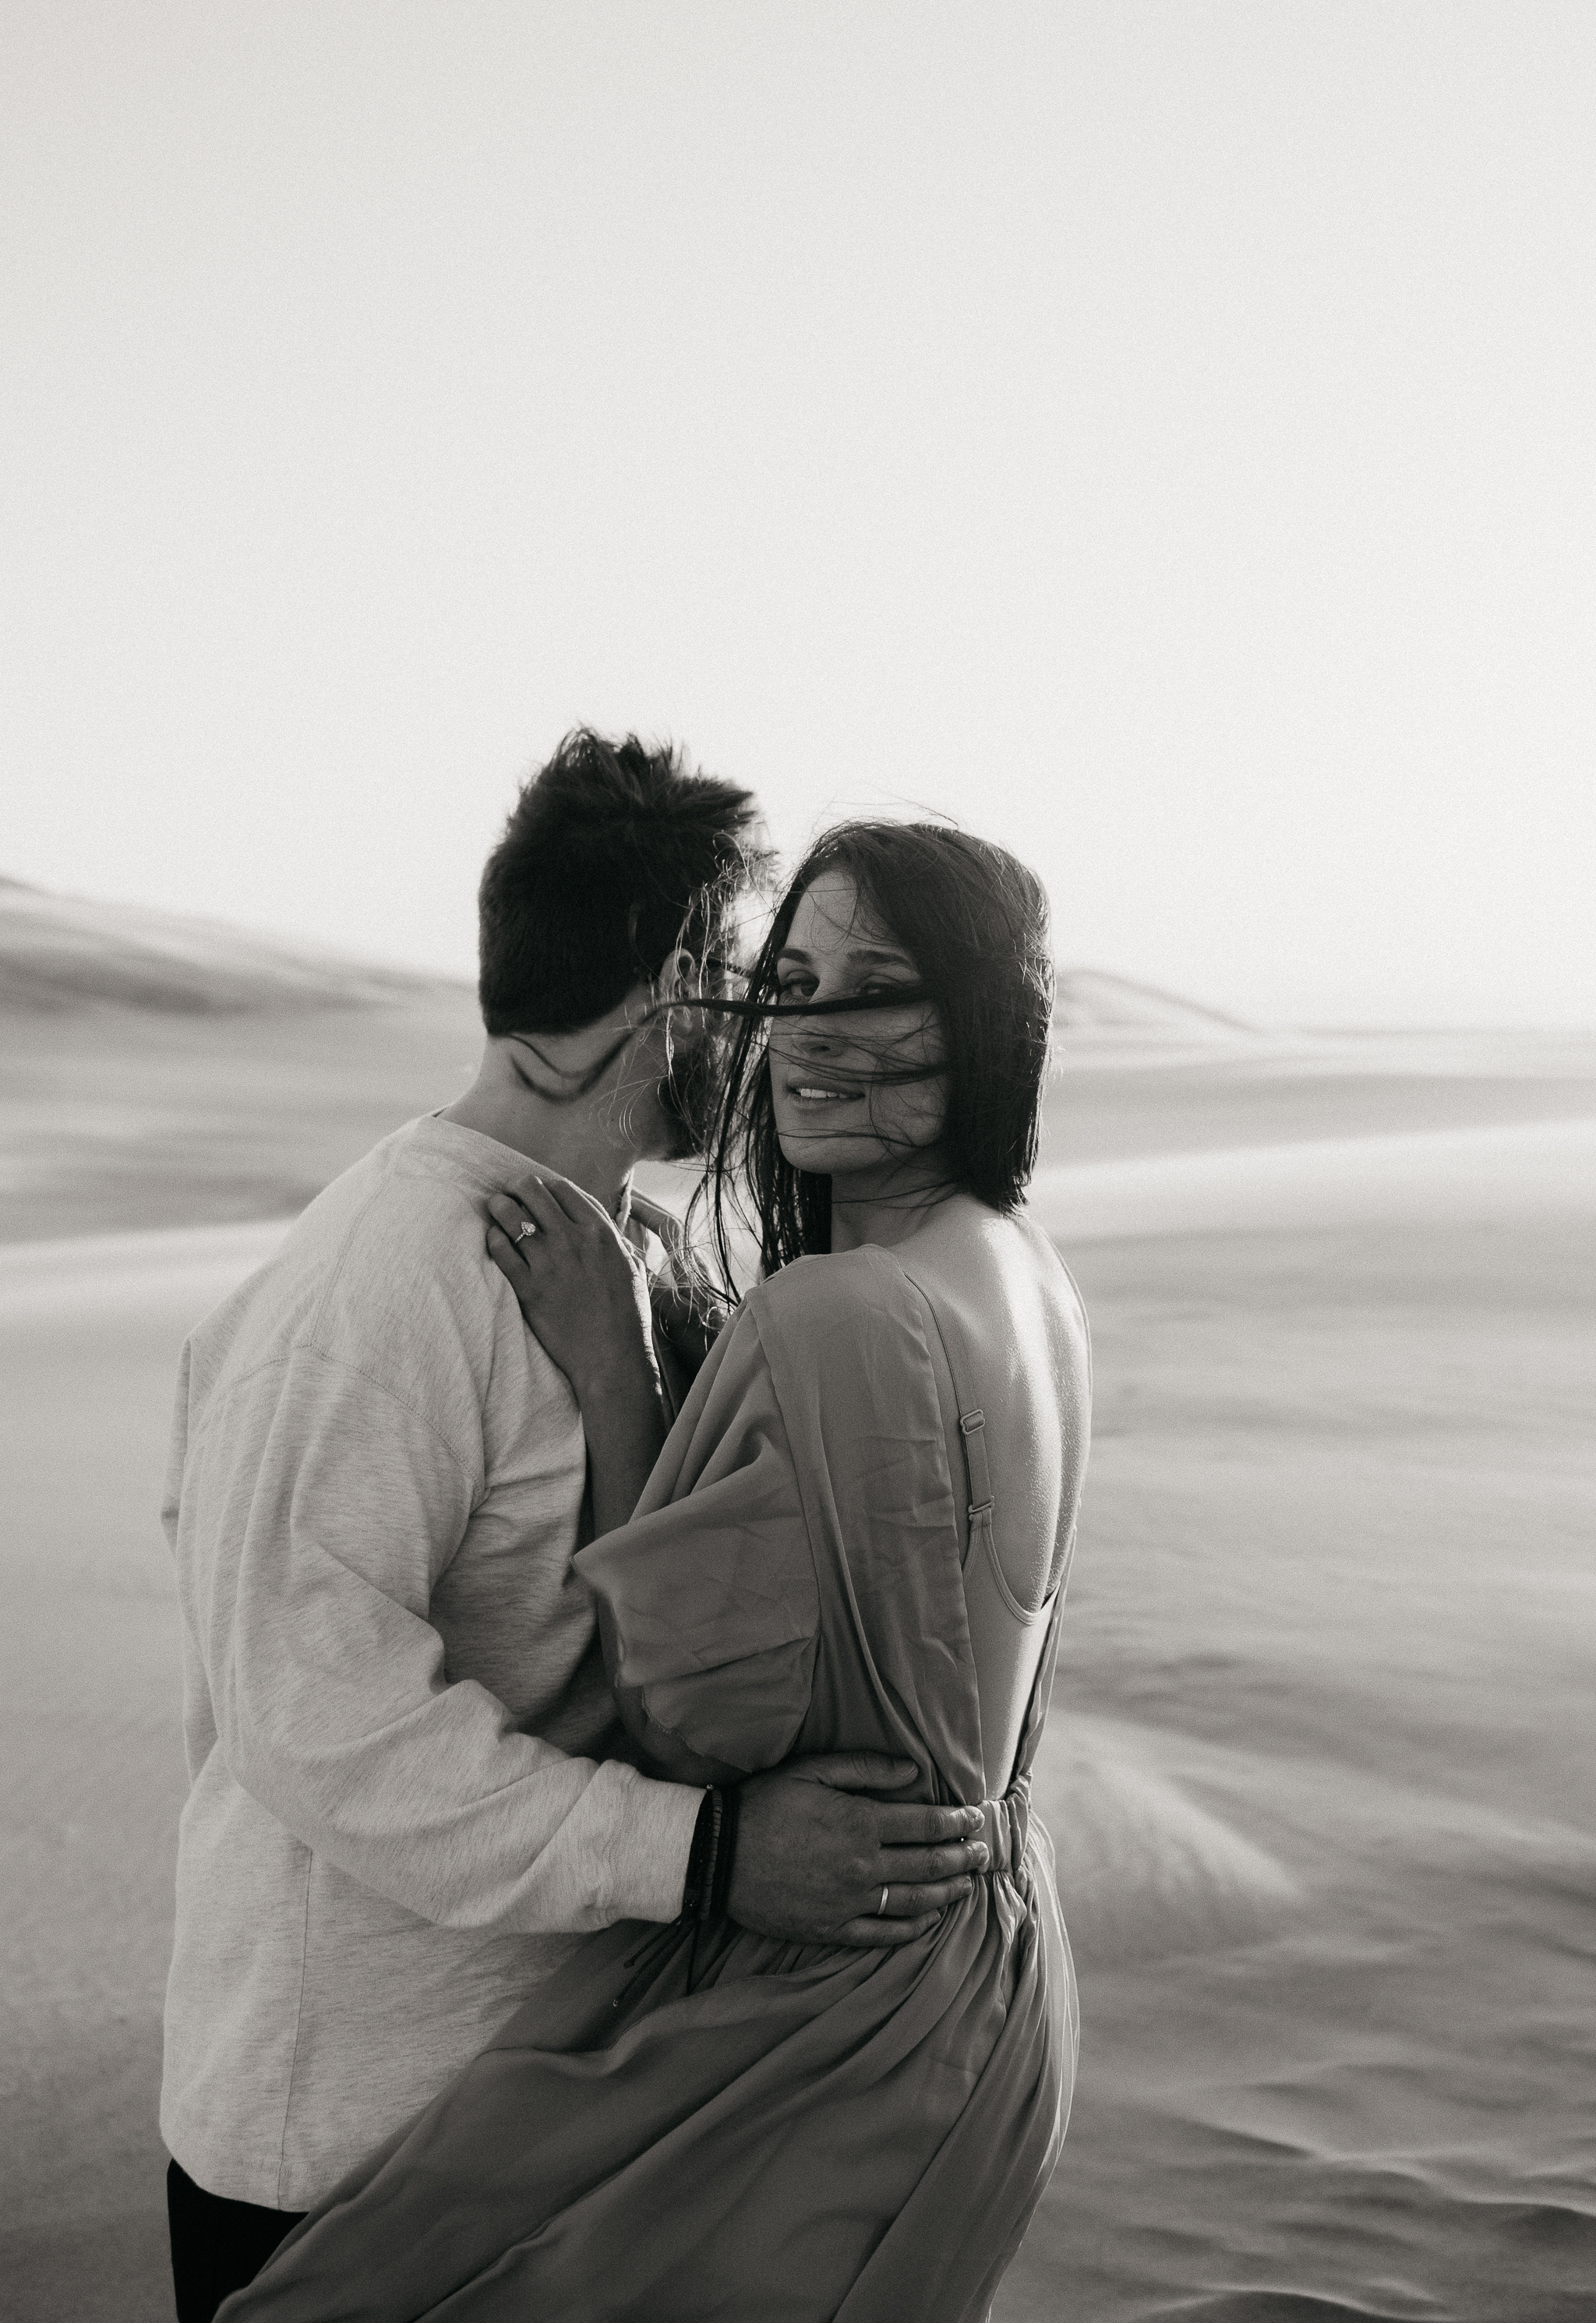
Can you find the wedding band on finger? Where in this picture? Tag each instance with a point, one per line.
(881, 1907)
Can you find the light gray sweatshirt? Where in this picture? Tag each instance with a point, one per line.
(396, 1720)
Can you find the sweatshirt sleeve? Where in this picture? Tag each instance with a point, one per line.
(313, 1525)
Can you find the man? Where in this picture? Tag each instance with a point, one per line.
(407, 1803)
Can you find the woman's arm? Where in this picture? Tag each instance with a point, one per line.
(585, 1292)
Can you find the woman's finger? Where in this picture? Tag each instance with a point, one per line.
(511, 1216)
(507, 1259)
(581, 1208)
(522, 1234)
(538, 1200)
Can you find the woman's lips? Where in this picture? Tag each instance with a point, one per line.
(811, 1092)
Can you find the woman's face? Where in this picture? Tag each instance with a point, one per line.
(839, 1111)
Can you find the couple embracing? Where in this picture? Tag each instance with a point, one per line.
(608, 1887)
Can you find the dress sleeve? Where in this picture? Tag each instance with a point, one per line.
(708, 1604)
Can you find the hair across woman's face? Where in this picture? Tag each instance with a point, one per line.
(858, 1092)
(892, 1041)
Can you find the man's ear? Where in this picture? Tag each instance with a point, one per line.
(678, 977)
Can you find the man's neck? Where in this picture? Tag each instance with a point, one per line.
(568, 1100)
(562, 1138)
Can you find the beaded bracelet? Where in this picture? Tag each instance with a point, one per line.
(725, 1852)
(709, 1858)
(701, 1856)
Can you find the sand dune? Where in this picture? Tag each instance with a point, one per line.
(161, 1071)
(1147, 1870)
(1317, 1771)
(1541, 1170)
(64, 952)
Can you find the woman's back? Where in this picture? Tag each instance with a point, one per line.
(1014, 1377)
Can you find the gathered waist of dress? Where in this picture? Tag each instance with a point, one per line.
(1006, 1830)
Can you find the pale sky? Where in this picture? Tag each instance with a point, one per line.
(1162, 436)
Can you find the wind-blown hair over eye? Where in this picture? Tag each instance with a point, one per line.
(973, 922)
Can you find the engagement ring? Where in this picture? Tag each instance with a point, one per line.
(524, 1229)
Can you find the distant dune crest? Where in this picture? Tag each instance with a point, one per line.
(1092, 1001)
(67, 952)
(1098, 1016)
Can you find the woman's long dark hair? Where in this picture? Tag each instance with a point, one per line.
(973, 922)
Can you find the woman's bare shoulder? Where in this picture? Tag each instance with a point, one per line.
(964, 1241)
(1001, 1278)
(969, 1264)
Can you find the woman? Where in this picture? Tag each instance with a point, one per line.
(855, 1537)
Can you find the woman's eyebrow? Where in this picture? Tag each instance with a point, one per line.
(853, 951)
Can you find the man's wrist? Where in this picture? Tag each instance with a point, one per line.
(707, 1881)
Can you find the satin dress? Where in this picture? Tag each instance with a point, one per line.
(692, 2123)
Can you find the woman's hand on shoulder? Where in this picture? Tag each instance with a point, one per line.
(581, 1287)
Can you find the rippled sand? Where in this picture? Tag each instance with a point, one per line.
(1320, 1762)
(1318, 1767)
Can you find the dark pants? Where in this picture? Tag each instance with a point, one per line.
(217, 2245)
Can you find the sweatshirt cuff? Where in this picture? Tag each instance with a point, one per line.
(661, 1818)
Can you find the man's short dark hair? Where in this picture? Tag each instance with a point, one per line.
(612, 855)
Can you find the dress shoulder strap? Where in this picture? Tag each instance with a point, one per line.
(977, 1474)
(972, 1431)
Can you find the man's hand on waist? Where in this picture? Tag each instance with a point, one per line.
(813, 1862)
